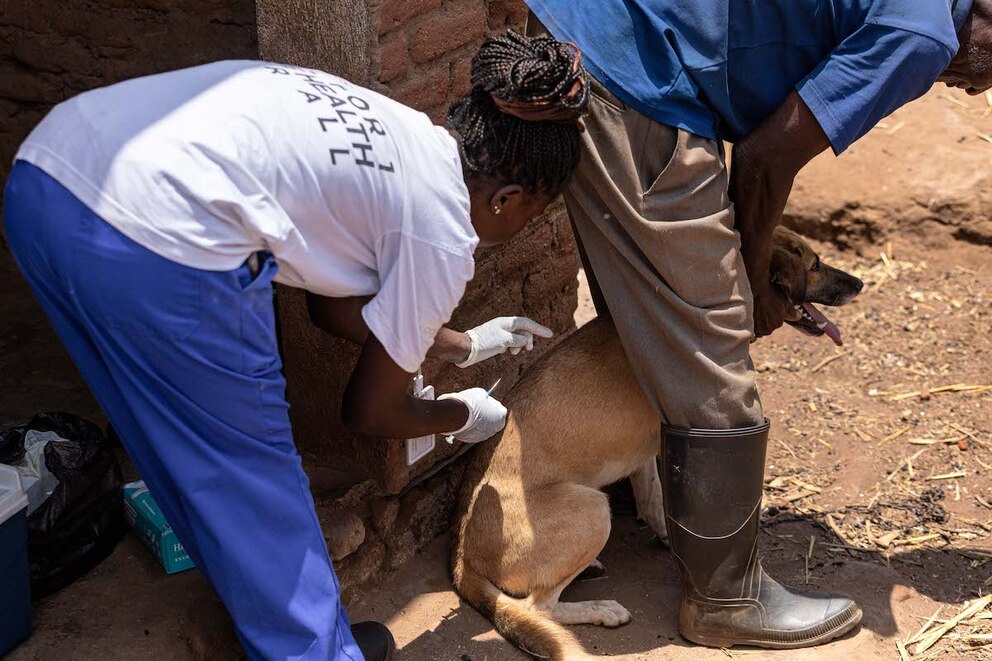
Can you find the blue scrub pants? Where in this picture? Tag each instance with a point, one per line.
(185, 364)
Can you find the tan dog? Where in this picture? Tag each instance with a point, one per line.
(532, 515)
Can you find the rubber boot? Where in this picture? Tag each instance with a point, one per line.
(375, 641)
(713, 483)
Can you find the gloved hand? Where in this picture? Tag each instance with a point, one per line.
(503, 333)
(486, 416)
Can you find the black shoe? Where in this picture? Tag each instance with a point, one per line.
(713, 482)
(374, 640)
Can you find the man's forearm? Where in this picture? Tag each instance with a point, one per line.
(764, 167)
(760, 191)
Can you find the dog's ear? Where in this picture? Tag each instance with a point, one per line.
(788, 273)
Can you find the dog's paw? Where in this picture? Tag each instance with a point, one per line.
(656, 523)
(608, 613)
(661, 533)
(604, 613)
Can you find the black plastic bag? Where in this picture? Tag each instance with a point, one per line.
(82, 521)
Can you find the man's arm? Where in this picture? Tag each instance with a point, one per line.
(764, 165)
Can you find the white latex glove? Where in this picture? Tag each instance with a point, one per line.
(501, 334)
(486, 416)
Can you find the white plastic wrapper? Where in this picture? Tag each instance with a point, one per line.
(36, 480)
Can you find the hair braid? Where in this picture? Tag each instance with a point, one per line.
(513, 77)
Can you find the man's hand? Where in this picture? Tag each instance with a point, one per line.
(503, 334)
(771, 308)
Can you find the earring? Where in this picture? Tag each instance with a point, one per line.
(497, 210)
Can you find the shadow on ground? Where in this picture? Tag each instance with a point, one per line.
(430, 621)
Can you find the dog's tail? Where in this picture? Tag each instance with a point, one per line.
(532, 631)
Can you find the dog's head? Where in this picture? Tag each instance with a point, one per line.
(797, 271)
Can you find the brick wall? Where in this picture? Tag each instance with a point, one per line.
(426, 46)
(53, 49)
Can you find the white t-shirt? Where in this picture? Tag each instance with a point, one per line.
(353, 193)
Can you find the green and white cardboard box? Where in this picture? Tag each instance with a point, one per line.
(150, 524)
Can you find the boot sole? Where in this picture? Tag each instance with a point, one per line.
(708, 640)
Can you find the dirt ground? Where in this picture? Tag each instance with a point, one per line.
(878, 478)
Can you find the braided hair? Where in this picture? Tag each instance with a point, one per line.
(519, 123)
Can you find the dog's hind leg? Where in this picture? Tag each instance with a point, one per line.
(649, 499)
(573, 524)
(602, 612)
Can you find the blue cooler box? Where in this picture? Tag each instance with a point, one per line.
(15, 602)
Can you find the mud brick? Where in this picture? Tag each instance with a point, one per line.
(438, 113)
(21, 85)
(448, 30)
(461, 76)
(426, 88)
(395, 13)
(24, 15)
(345, 533)
(393, 57)
(507, 13)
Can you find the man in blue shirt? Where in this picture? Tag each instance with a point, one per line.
(679, 245)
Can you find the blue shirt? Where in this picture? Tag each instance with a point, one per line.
(718, 68)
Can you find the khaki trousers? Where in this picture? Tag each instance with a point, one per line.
(652, 214)
(650, 207)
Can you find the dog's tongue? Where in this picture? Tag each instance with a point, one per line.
(824, 324)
